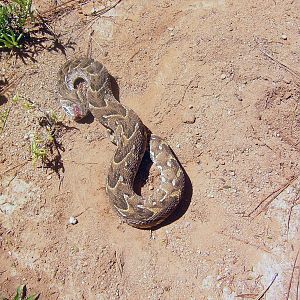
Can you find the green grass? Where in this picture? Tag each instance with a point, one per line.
(21, 294)
(38, 150)
(13, 18)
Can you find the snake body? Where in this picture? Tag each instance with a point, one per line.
(84, 85)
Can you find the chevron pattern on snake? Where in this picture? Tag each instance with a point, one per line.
(84, 85)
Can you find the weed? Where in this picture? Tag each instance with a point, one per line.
(3, 119)
(45, 145)
(38, 150)
(16, 98)
(21, 294)
(13, 18)
(28, 105)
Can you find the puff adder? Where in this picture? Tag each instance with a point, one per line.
(84, 85)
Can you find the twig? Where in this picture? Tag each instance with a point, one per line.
(11, 180)
(12, 168)
(14, 81)
(293, 118)
(81, 163)
(245, 242)
(187, 87)
(79, 214)
(106, 9)
(259, 297)
(271, 197)
(119, 262)
(290, 213)
(292, 275)
(246, 296)
(95, 15)
(60, 6)
(293, 72)
(298, 281)
(133, 55)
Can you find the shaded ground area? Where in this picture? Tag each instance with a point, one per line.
(218, 80)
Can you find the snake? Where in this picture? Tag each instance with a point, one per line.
(85, 86)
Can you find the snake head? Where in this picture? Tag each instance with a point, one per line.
(73, 98)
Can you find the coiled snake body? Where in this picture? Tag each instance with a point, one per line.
(84, 85)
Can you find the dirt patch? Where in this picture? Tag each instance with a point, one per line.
(196, 73)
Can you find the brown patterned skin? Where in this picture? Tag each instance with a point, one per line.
(84, 85)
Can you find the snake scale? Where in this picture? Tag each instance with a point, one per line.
(84, 85)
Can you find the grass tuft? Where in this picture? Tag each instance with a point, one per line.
(13, 17)
(21, 294)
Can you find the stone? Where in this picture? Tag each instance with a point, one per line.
(188, 117)
(73, 220)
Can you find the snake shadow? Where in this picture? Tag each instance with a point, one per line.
(141, 179)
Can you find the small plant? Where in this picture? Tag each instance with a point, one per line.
(13, 18)
(28, 105)
(44, 138)
(38, 150)
(21, 294)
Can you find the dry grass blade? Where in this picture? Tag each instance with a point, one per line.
(246, 296)
(291, 71)
(260, 296)
(14, 167)
(119, 262)
(298, 283)
(12, 83)
(270, 198)
(262, 248)
(295, 203)
(51, 14)
(292, 275)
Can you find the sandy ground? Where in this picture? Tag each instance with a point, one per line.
(218, 80)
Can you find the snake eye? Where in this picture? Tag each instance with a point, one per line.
(78, 82)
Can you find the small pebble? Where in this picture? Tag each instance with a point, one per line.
(88, 138)
(73, 220)
(188, 117)
(223, 76)
(284, 37)
(191, 106)
(151, 187)
(210, 195)
(49, 177)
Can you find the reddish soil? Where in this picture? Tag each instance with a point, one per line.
(220, 81)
